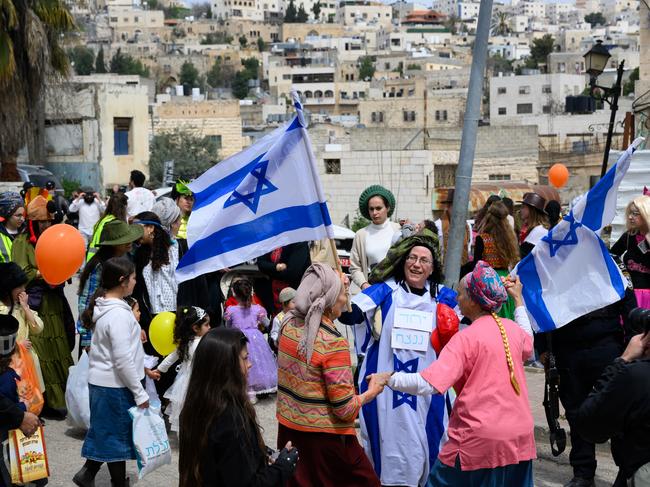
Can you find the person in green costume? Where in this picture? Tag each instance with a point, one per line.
(55, 344)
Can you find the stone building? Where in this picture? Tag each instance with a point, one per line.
(217, 119)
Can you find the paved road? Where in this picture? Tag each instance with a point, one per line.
(64, 446)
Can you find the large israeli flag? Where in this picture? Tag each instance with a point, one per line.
(570, 272)
(267, 196)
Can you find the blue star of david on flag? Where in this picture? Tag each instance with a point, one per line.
(400, 398)
(571, 238)
(253, 187)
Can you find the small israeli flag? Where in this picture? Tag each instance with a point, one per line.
(267, 196)
(570, 272)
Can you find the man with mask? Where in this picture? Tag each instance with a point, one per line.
(90, 208)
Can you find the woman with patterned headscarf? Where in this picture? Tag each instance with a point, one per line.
(416, 319)
(12, 220)
(491, 430)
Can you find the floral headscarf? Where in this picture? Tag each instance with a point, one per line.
(484, 286)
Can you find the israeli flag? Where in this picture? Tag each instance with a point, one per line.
(267, 196)
(570, 272)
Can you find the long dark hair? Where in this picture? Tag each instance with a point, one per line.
(104, 253)
(11, 277)
(243, 291)
(186, 320)
(436, 276)
(158, 253)
(481, 214)
(496, 225)
(216, 385)
(114, 271)
(116, 206)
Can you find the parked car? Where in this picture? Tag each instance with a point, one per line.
(38, 176)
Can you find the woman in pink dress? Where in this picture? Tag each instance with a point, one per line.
(491, 440)
(249, 318)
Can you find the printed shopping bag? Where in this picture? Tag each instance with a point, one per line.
(150, 440)
(27, 457)
(29, 390)
(77, 395)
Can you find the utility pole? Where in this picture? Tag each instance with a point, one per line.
(456, 238)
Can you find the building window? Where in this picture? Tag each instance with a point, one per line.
(122, 136)
(215, 139)
(502, 111)
(546, 109)
(332, 166)
(444, 175)
(408, 116)
(441, 115)
(499, 177)
(546, 89)
(524, 90)
(523, 108)
(501, 90)
(377, 117)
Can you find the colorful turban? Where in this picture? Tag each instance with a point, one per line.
(10, 201)
(484, 286)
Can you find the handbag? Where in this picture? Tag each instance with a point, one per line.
(28, 386)
(27, 457)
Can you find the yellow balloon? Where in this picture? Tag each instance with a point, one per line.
(161, 333)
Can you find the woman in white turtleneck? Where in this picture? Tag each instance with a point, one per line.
(371, 243)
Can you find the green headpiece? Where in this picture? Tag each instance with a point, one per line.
(386, 268)
(181, 187)
(375, 190)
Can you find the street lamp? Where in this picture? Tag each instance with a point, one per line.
(595, 63)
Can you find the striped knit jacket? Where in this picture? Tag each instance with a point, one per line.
(318, 397)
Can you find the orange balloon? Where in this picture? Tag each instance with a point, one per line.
(60, 252)
(558, 175)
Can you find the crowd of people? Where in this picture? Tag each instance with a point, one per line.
(438, 388)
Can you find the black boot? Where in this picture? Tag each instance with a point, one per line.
(120, 483)
(84, 477)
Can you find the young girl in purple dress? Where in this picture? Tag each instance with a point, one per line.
(249, 318)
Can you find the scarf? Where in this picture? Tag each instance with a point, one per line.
(319, 289)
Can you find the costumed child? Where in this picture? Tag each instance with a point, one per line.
(116, 370)
(192, 323)
(285, 297)
(9, 385)
(248, 317)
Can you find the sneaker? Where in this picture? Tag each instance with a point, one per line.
(580, 482)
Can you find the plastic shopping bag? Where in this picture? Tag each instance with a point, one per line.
(29, 390)
(77, 396)
(27, 457)
(150, 440)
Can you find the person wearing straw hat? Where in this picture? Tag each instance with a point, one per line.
(372, 242)
(54, 344)
(491, 430)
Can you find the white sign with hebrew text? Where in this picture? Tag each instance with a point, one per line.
(413, 319)
(409, 339)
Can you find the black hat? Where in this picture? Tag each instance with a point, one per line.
(8, 333)
(11, 277)
(534, 200)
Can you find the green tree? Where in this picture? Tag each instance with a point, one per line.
(152, 4)
(216, 38)
(192, 155)
(243, 42)
(251, 67)
(82, 59)
(100, 64)
(30, 53)
(316, 9)
(359, 222)
(261, 45)
(452, 24)
(414, 67)
(189, 74)
(125, 64)
(215, 75)
(302, 16)
(628, 86)
(499, 64)
(595, 18)
(290, 14)
(500, 25)
(366, 68)
(540, 50)
(177, 12)
(240, 85)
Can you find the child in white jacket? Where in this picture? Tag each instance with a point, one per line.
(115, 376)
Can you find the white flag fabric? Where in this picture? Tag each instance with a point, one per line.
(267, 196)
(570, 272)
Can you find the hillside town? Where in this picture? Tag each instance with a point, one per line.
(325, 243)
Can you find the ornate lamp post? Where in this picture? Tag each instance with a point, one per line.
(595, 63)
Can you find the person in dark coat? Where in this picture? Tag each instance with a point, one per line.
(583, 349)
(619, 408)
(285, 267)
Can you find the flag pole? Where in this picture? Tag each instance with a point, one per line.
(312, 162)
